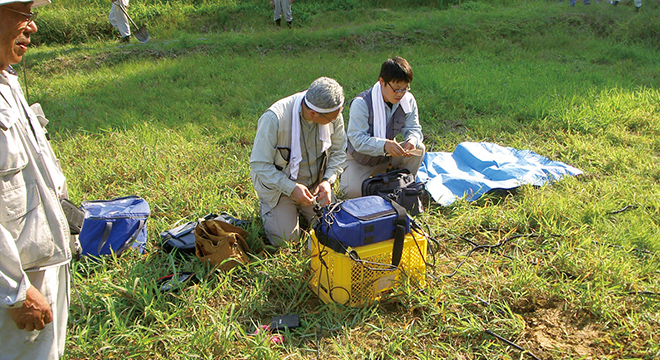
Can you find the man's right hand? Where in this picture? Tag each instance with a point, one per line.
(35, 312)
(302, 196)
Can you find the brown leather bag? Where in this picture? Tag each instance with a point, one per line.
(221, 244)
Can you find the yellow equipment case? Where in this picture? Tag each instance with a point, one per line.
(364, 273)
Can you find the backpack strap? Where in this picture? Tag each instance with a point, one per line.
(326, 240)
(105, 237)
(399, 233)
(127, 244)
(133, 238)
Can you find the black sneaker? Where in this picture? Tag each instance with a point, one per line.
(125, 40)
(615, 3)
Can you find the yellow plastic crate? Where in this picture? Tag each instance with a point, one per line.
(341, 279)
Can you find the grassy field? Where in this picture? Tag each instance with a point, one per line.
(173, 120)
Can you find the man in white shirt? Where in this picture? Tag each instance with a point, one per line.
(296, 157)
(35, 241)
(377, 116)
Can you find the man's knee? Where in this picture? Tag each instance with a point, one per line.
(281, 225)
(350, 189)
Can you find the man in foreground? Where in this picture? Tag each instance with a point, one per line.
(377, 116)
(296, 157)
(34, 235)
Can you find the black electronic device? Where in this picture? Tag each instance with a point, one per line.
(174, 282)
(285, 322)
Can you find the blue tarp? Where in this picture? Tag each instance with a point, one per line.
(474, 168)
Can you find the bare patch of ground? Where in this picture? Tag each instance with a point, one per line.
(556, 331)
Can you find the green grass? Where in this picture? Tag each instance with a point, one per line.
(173, 121)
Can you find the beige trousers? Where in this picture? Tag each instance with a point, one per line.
(355, 173)
(47, 344)
(118, 19)
(281, 222)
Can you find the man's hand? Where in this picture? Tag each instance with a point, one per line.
(408, 146)
(302, 195)
(35, 312)
(324, 192)
(394, 149)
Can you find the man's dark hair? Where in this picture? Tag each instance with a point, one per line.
(396, 69)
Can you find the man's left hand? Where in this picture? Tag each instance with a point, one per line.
(408, 146)
(324, 192)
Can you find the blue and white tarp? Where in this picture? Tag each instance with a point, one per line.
(474, 168)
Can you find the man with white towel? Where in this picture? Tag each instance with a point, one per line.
(376, 117)
(296, 157)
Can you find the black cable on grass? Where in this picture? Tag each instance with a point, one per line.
(415, 225)
(625, 208)
(468, 240)
(483, 301)
(621, 248)
(475, 244)
(490, 247)
(510, 343)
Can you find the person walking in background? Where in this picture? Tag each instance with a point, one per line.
(282, 7)
(35, 241)
(119, 20)
(638, 4)
(296, 157)
(377, 116)
(586, 2)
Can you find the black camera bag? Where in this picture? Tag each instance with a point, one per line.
(398, 185)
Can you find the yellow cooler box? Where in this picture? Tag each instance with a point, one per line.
(364, 276)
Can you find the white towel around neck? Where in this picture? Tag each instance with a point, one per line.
(296, 151)
(378, 104)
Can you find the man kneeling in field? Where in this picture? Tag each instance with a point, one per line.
(297, 155)
(377, 116)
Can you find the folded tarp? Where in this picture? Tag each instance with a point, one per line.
(474, 169)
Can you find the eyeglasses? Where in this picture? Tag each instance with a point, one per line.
(399, 91)
(30, 16)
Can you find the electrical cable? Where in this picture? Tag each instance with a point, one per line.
(621, 248)
(427, 234)
(510, 343)
(490, 247)
(625, 208)
(73, 284)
